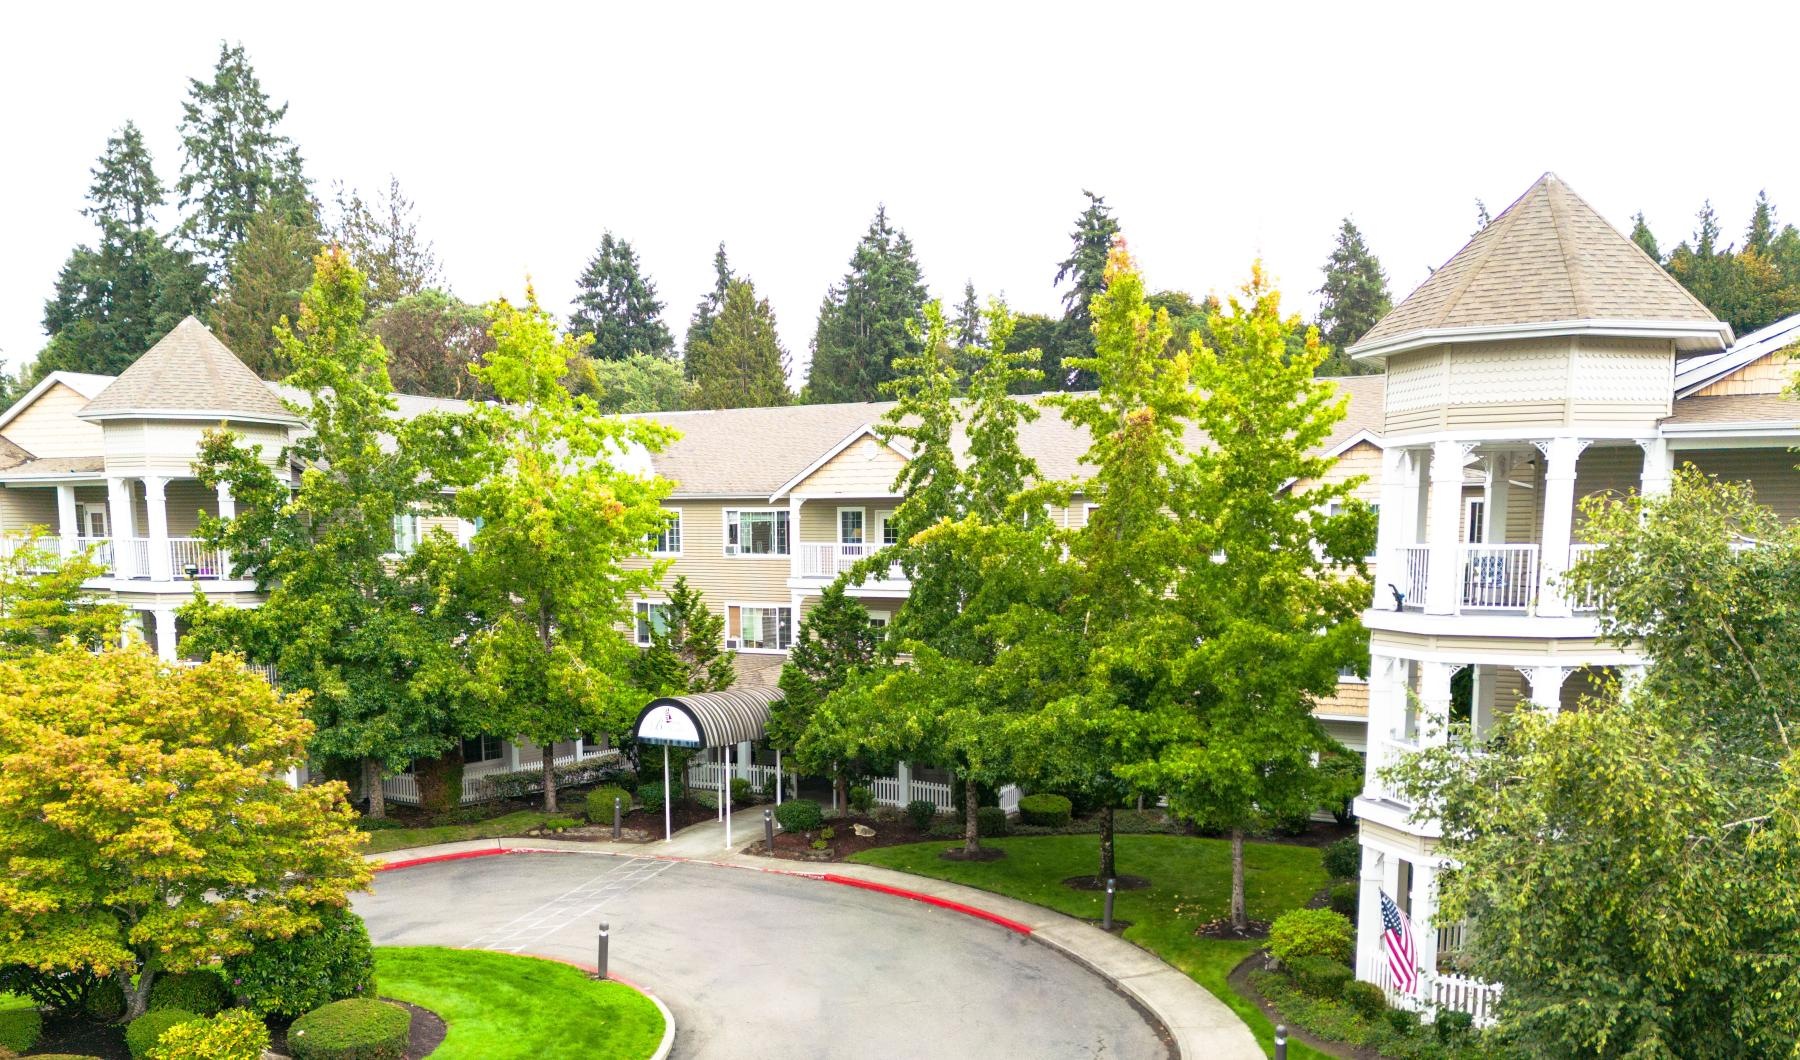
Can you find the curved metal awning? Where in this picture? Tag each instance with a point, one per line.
(707, 719)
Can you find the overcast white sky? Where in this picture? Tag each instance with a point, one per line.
(1218, 132)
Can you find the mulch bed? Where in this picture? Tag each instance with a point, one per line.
(1239, 981)
(107, 1040)
(1222, 929)
(638, 826)
(797, 846)
(1098, 883)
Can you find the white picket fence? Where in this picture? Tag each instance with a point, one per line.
(704, 776)
(1437, 991)
(890, 791)
(404, 788)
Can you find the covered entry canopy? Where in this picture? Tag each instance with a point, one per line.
(707, 719)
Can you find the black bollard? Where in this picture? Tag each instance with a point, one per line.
(618, 812)
(769, 832)
(605, 930)
(1280, 1041)
(1107, 923)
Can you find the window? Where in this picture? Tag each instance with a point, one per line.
(667, 541)
(652, 618)
(850, 526)
(1475, 521)
(406, 533)
(880, 619)
(763, 533)
(890, 530)
(481, 748)
(759, 627)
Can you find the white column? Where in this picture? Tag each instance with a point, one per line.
(780, 781)
(227, 510)
(1442, 586)
(1546, 686)
(743, 760)
(122, 521)
(1394, 528)
(1424, 914)
(165, 633)
(1495, 499)
(1659, 465)
(904, 773)
(794, 549)
(1369, 954)
(68, 528)
(580, 748)
(1560, 455)
(1434, 701)
(156, 512)
(1630, 676)
(1481, 712)
(1387, 714)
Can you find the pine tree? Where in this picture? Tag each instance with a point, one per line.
(1644, 238)
(1761, 236)
(1353, 299)
(270, 269)
(616, 303)
(969, 331)
(1085, 269)
(237, 165)
(700, 324)
(686, 654)
(740, 364)
(1747, 288)
(863, 322)
(382, 238)
(112, 302)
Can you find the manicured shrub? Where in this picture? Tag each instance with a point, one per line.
(1343, 859)
(740, 791)
(20, 1023)
(286, 977)
(1344, 897)
(990, 821)
(651, 794)
(143, 1033)
(1403, 1021)
(1312, 933)
(862, 800)
(800, 815)
(105, 1001)
(440, 781)
(600, 803)
(1365, 998)
(1453, 1026)
(601, 769)
(358, 1029)
(235, 1034)
(921, 812)
(1046, 810)
(201, 992)
(828, 833)
(623, 777)
(1319, 976)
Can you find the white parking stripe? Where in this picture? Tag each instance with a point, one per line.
(578, 904)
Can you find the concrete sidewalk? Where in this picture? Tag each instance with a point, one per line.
(1201, 1025)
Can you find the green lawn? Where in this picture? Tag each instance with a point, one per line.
(1190, 884)
(500, 1006)
(516, 823)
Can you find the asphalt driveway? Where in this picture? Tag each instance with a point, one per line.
(756, 964)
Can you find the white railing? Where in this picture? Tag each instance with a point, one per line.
(1437, 991)
(1416, 563)
(1451, 938)
(1499, 577)
(704, 775)
(830, 559)
(140, 556)
(889, 791)
(49, 544)
(185, 552)
(99, 549)
(1582, 601)
(1391, 752)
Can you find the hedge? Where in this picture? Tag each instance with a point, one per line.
(1319, 976)
(286, 977)
(607, 767)
(1365, 998)
(990, 821)
(201, 993)
(1345, 895)
(600, 803)
(1046, 810)
(20, 1023)
(651, 794)
(141, 1034)
(922, 812)
(235, 1034)
(358, 1029)
(1343, 859)
(1312, 933)
(800, 815)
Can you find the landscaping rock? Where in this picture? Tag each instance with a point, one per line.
(863, 830)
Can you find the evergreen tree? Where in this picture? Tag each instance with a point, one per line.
(1761, 237)
(237, 164)
(740, 364)
(864, 321)
(1085, 269)
(686, 653)
(1746, 288)
(836, 642)
(382, 238)
(270, 268)
(968, 330)
(1644, 238)
(1353, 299)
(112, 302)
(616, 303)
(700, 324)
(639, 383)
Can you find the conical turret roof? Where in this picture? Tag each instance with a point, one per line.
(188, 373)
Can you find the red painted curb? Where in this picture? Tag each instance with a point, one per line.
(941, 903)
(460, 855)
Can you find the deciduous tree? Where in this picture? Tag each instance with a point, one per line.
(382, 238)
(433, 339)
(639, 383)
(868, 320)
(44, 599)
(147, 821)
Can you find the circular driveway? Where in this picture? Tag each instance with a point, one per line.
(758, 964)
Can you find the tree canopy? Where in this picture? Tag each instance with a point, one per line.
(269, 268)
(381, 235)
(868, 320)
(739, 362)
(1747, 286)
(433, 340)
(44, 600)
(1085, 271)
(616, 304)
(1353, 299)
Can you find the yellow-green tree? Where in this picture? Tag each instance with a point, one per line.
(43, 599)
(145, 822)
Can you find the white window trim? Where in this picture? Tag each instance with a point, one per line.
(648, 601)
(882, 520)
(738, 646)
(859, 510)
(728, 517)
(1472, 524)
(680, 534)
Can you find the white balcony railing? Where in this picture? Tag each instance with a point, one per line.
(99, 549)
(140, 556)
(1390, 752)
(1582, 601)
(1417, 559)
(1499, 577)
(828, 559)
(50, 545)
(185, 554)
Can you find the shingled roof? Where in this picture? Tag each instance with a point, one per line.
(1549, 258)
(188, 373)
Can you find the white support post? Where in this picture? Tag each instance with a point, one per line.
(720, 790)
(668, 831)
(227, 510)
(68, 527)
(1368, 912)
(1442, 573)
(1495, 499)
(1481, 713)
(1546, 686)
(156, 512)
(795, 559)
(904, 773)
(580, 748)
(1393, 530)
(780, 781)
(743, 760)
(725, 793)
(1630, 676)
(1659, 466)
(165, 634)
(1434, 702)
(122, 521)
(1424, 916)
(1387, 713)
(1560, 455)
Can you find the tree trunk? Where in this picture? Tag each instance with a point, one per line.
(550, 778)
(1238, 920)
(1108, 869)
(137, 996)
(841, 786)
(371, 769)
(971, 817)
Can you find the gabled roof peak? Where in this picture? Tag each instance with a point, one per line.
(1549, 262)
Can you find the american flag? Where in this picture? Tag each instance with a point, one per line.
(1397, 939)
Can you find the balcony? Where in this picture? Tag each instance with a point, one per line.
(189, 559)
(1490, 579)
(826, 560)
